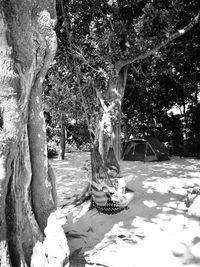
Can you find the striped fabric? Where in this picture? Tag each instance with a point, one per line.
(98, 194)
(103, 187)
(110, 207)
(105, 201)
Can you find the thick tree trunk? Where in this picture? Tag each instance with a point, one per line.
(27, 197)
(110, 125)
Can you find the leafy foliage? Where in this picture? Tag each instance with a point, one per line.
(168, 78)
(104, 32)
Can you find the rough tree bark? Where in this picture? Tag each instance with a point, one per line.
(116, 91)
(109, 127)
(62, 138)
(27, 194)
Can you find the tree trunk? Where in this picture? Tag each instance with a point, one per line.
(185, 130)
(27, 197)
(111, 121)
(62, 139)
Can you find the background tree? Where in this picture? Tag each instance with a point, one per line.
(109, 36)
(61, 104)
(27, 192)
(169, 78)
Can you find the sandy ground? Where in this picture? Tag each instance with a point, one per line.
(154, 231)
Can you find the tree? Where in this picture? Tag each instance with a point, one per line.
(106, 43)
(169, 77)
(27, 191)
(108, 37)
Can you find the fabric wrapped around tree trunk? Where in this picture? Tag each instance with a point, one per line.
(101, 194)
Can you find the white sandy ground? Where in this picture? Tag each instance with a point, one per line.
(155, 231)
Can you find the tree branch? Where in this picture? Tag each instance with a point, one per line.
(99, 96)
(80, 56)
(122, 63)
(77, 72)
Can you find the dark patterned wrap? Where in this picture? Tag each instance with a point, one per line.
(99, 175)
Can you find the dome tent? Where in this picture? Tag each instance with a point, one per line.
(144, 149)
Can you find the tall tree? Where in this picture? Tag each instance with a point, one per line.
(27, 192)
(109, 36)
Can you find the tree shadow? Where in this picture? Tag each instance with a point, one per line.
(158, 207)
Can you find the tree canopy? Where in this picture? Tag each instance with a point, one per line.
(157, 40)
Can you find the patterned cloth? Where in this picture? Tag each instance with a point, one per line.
(110, 208)
(104, 188)
(106, 201)
(98, 195)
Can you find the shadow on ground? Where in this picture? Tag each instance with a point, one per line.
(156, 224)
